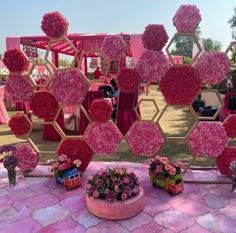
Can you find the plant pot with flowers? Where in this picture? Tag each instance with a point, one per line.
(9, 162)
(114, 194)
(66, 172)
(165, 174)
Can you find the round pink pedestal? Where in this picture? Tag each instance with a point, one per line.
(117, 210)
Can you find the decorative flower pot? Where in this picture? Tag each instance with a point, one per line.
(174, 184)
(116, 210)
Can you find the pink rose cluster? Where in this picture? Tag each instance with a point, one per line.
(54, 25)
(208, 139)
(72, 80)
(152, 66)
(19, 124)
(18, 86)
(230, 125)
(15, 60)
(187, 18)
(114, 47)
(180, 85)
(161, 166)
(144, 138)
(213, 67)
(128, 80)
(28, 157)
(154, 37)
(103, 138)
(112, 184)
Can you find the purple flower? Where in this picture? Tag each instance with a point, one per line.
(111, 196)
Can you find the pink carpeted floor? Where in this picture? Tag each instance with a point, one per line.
(38, 204)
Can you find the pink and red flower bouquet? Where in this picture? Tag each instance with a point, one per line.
(112, 184)
(15, 60)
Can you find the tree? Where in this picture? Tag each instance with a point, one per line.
(0, 56)
(211, 45)
(232, 22)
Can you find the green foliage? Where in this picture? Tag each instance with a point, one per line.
(232, 22)
(211, 45)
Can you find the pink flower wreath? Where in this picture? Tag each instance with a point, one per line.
(114, 47)
(103, 138)
(128, 80)
(54, 25)
(44, 105)
(100, 110)
(213, 67)
(72, 80)
(154, 37)
(144, 138)
(152, 66)
(208, 139)
(19, 124)
(15, 60)
(18, 86)
(180, 85)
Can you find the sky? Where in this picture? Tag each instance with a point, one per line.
(23, 17)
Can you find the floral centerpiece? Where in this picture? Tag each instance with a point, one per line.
(9, 162)
(109, 188)
(165, 174)
(66, 171)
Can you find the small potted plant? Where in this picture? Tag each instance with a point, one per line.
(66, 171)
(165, 174)
(114, 193)
(9, 162)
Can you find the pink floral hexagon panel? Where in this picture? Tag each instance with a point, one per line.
(144, 138)
(69, 86)
(154, 37)
(180, 85)
(208, 139)
(213, 67)
(103, 138)
(76, 148)
(187, 18)
(230, 125)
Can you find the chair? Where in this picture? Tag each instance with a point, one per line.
(106, 91)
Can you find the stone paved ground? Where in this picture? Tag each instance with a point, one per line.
(38, 204)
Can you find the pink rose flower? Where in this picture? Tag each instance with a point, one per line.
(126, 180)
(95, 194)
(123, 196)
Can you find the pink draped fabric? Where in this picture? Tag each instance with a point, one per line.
(12, 42)
(49, 132)
(90, 96)
(3, 112)
(126, 116)
(8, 100)
(136, 47)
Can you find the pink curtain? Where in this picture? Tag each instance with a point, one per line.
(12, 42)
(136, 46)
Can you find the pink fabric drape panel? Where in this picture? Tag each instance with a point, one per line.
(136, 46)
(90, 96)
(3, 112)
(12, 42)
(126, 116)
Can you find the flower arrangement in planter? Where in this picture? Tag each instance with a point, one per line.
(19, 124)
(9, 162)
(213, 67)
(66, 171)
(54, 25)
(69, 79)
(128, 80)
(152, 66)
(15, 60)
(154, 37)
(165, 174)
(109, 188)
(114, 47)
(18, 86)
